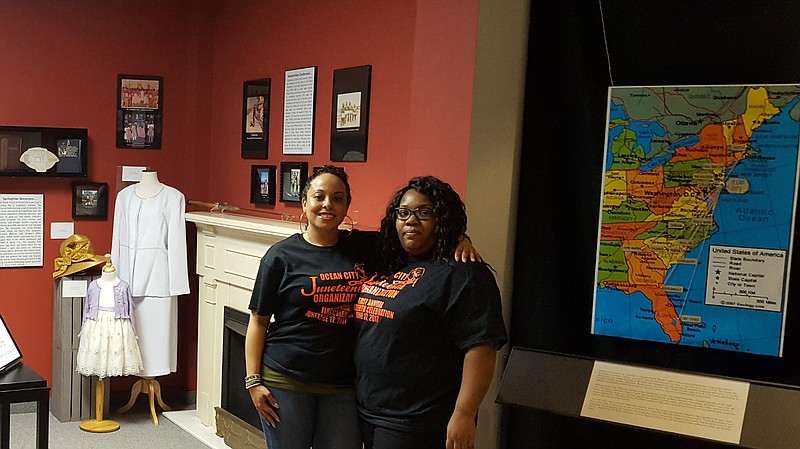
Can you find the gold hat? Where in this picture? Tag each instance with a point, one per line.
(76, 255)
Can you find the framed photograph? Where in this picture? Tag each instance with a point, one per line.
(350, 114)
(299, 104)
(140, 101)
(43, 152)
(262, 184)
(293, 177)
(89, 201)
(255, 119)
(10, 354)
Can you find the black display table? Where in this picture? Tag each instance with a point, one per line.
(22, 384)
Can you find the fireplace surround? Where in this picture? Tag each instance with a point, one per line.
(229, 248)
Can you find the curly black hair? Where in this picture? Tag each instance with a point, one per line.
(332, 170)
(448, 210)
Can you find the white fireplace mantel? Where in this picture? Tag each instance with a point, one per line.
(229, 248)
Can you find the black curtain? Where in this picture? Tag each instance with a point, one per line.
(648, 43)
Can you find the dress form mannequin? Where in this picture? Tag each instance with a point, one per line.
(152, 311)
(100, 425)
(109, 274)
(149, 186)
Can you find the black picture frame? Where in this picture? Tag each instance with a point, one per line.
(293, 177)
(140, 102)
(262, 184)
(10, 354)
(89, 200)
(350, 114)
(255, 118)
(43, 152)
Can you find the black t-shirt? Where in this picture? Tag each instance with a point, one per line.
(310, 290)
(414, 330)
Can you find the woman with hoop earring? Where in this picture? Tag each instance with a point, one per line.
(301, 373)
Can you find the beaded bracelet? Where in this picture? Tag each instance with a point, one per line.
(251, 381)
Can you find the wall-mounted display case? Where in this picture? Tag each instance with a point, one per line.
(43, 152)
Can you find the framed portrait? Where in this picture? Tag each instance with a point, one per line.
(299, 104)
(43, 152)
(293, 177)
(350, 114)
(255, 119)
(262, 184)
(10, 354)
(140, 101)
(89, 200)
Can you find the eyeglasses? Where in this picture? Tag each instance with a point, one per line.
(422, 213)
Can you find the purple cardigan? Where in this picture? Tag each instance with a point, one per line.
(123, 303)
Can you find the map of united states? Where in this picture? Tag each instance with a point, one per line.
(695, 179)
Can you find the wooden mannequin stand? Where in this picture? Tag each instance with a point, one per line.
(151, 386)
(99, 425)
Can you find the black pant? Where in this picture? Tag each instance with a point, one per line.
(375, 437)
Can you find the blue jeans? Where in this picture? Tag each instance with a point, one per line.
(324, 421)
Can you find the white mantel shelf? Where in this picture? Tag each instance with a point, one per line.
(242, 223)
(229, 248)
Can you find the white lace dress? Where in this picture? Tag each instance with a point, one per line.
(108, 345)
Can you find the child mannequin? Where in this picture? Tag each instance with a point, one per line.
(109, 275)
(108, 344)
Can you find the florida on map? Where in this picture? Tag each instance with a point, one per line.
(697, 215)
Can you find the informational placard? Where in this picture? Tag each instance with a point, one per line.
(132, 174)
(9, 352)
(298, 111)
(21, 230)
(60, 230)
(685, 404)
(74, 288)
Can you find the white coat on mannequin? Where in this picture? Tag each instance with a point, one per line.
(149, 249)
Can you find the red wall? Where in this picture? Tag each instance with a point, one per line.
(66, 58)
(60, 67)
(422, 55)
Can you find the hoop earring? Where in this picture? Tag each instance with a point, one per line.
(300, 220)
(347, 230)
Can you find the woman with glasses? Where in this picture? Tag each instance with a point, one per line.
(300, 374)
(429, 328)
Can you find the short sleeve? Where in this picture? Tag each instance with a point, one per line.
(474, 314)
(264, 299)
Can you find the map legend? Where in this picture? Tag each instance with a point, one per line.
(745, 277)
